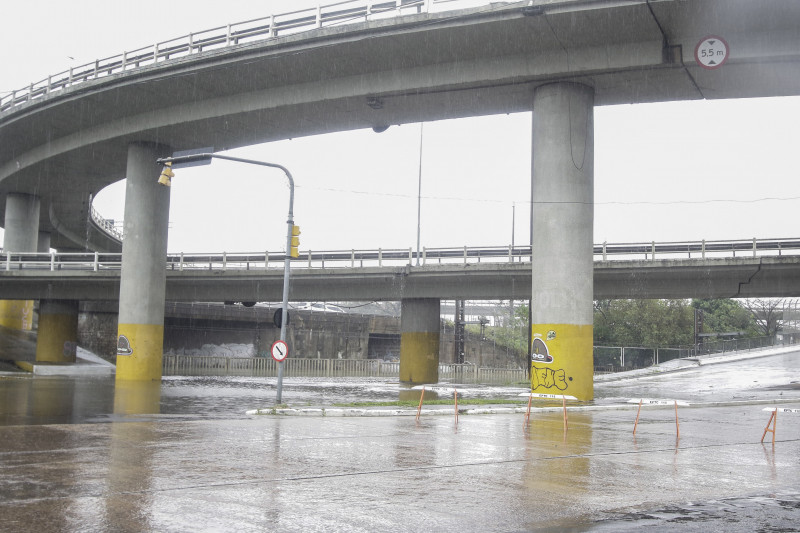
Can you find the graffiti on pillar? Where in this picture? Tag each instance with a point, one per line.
(27, 308)
(124, 346)
(70, 349)
(539, 351)
(546, 378)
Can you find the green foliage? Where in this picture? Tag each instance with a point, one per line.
(654, 323)
(513, 335)
(643, 322)
(726, 315)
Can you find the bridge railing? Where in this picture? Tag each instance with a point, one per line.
(264, 28)
(698, 249)
(198, 365)
(401, 257)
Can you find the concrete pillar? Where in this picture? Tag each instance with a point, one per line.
(562, 193)
(419, 340)
(43, 242)
(57, 338)
(21, 235)
(140, 337)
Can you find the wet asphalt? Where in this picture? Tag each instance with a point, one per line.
(85, 455)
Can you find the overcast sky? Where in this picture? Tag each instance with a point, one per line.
(672, 171)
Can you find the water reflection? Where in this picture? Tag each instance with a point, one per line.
(137, 398)
(558, 469)
(71, 400)
(53, 400)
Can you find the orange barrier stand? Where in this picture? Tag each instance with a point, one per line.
(562, 397)
(421, 397)
(773, 419)
(637, 417)
(528, 412)
(455, 399)
(658, 402)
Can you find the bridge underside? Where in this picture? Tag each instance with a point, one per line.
(743, 277)
(558, 59)
(68, 145)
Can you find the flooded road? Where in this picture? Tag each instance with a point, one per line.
(84, 455)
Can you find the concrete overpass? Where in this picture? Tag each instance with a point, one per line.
(559, 58)
(336, 276)
(66, 145)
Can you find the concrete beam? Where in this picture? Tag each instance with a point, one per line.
(744, 277)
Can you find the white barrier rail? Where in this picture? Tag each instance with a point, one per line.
(402, 256)
(260, 29)
(194, 365)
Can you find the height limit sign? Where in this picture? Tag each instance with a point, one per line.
(711, 52)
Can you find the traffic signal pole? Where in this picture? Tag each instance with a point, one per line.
(290, 233)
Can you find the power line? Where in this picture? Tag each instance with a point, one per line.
(611, 202)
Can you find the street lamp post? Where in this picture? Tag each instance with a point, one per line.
(199, 158)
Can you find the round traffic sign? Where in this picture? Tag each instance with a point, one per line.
(279, 350)
(711, 52)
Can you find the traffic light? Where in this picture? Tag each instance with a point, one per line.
(167, 174)
(293, 251)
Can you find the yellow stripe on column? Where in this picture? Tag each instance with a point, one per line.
(16, 314)
(140, 351)
(562, 360)
(57, 339)
(419, 357)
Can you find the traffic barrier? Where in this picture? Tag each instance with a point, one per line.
(647, 401)
(455, 402)
(562, 397)
(773, 420)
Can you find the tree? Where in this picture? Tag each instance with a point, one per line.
(767, 313)
(643, 322)
(725, 315)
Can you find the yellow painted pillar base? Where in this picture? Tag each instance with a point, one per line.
(57, 339)
(16, 314)
(140, 352)
(419, 357)
(562, 360)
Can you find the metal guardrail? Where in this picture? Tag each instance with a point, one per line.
(609, 359)
(260, 29)
(197, 365)
(105, 224)
(402, 257)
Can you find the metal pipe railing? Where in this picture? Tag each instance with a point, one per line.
(260, 29)
(392, 257)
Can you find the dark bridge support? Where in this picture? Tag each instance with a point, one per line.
(140, 338)
(21, 235)
(562, 192)
(419, 340)
(57, 338)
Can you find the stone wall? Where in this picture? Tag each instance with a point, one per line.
(97, 328)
